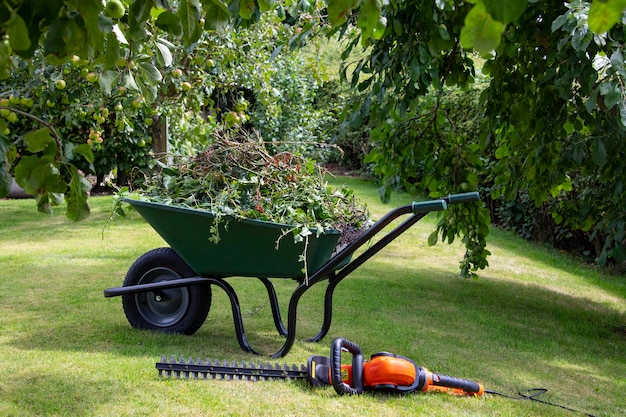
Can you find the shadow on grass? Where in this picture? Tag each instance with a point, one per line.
(496, 315)
(486, 305)
(506, 333)
(501, 333)
(542, 254)
(102, 326)
(214, 340)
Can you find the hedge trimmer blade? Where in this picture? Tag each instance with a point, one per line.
(225, 370)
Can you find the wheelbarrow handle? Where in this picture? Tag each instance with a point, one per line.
(442, 204)
(463, 198)
(428, 206)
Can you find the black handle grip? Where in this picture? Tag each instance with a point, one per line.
(466, 385)
(463, 197)
(428, 206)
(357, 367)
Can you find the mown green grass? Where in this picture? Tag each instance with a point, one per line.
(535, 318)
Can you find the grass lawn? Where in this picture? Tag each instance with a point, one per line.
(535, 318)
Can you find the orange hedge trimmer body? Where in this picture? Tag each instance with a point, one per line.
(384, 372)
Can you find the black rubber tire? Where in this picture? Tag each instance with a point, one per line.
(184, 310)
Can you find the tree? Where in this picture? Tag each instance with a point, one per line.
(554, 106)
(124, 45)
(570, 113)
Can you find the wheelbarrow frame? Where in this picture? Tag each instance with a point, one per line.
(334, 270)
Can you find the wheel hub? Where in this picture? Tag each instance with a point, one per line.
(162, 308)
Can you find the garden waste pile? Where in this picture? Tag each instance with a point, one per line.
(238, 177)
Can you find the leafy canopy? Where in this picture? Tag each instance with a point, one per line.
(553, 106)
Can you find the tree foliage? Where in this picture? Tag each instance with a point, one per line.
(144, 59)
(554, 110)
(115, 125)
(418, 145)
(563, 136)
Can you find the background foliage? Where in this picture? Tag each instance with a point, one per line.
(553, 107)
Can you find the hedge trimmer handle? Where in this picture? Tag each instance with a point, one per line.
(340, 344)
(457, 385)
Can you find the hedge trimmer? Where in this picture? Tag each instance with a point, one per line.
(384, 372)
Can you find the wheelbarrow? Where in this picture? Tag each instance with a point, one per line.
(169, 289)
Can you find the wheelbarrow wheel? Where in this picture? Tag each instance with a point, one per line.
(175, 310)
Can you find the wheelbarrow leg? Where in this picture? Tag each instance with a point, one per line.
(292, 313)
(328, 308)
(327, 269)
(290, 337)
(334, 278)
(236, 309)
(278, 321)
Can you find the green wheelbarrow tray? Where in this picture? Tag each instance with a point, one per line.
(248, 248)
(169, 289)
